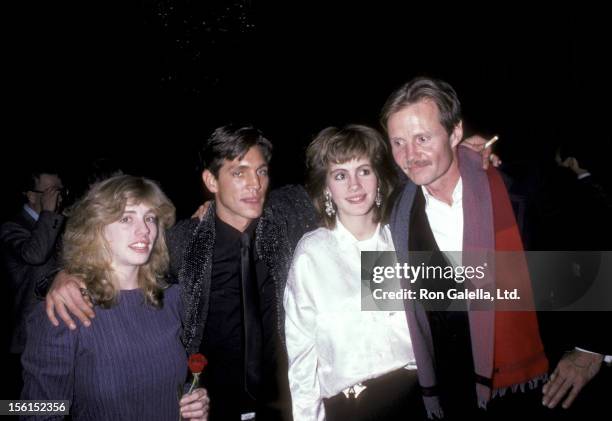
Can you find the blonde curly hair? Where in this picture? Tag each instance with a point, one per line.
(86, 252)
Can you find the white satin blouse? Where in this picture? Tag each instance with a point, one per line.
(331, 343)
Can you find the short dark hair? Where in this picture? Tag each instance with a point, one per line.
(32, 176)
(419, 88)
(334, 145)
(231, 142)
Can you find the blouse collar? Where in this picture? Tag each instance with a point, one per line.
(346, 237)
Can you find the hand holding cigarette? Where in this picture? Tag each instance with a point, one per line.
(491, 141)
(480, 145)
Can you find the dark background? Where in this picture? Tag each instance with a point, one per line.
(145, 82)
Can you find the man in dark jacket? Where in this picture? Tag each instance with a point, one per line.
(28, 244)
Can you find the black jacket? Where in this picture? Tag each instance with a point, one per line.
(287, 215)
(29, 251)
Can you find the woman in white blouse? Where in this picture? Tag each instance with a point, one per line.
(345, 363)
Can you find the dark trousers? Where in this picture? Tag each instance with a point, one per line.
(454, 364)
(393, 396)
(228, 404)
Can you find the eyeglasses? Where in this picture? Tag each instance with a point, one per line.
(63, 191)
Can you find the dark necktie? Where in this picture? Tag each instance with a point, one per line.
(251, 319)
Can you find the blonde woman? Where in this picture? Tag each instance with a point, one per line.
(130, 363)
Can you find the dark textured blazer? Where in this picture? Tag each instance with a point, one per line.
(287, 215)
(29, 251)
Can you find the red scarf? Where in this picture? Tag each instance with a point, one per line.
(519, 352)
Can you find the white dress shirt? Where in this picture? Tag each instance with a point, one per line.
(331, 343)
(446, 222)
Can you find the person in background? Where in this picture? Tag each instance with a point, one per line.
(29, 242)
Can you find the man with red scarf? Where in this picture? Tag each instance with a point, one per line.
(464, 358)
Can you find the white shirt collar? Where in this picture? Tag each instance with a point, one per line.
(346, 237)
(31, 212)
(457, 195)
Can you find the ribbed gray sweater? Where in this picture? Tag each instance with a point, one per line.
(126, 366)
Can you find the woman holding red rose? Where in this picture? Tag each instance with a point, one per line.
(130, 363)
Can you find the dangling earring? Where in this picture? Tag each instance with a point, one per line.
(378, 199)
(329, 207)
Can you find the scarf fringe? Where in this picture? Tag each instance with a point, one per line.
(433, 407)
(530, 384)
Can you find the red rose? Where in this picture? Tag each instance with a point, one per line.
(197, 362)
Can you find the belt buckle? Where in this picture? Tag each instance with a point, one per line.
(354, 391)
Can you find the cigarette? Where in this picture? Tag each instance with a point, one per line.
(491, 142)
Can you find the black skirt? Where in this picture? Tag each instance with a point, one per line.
(392, 396)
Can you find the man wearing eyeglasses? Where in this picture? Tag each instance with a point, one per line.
(29, 251)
